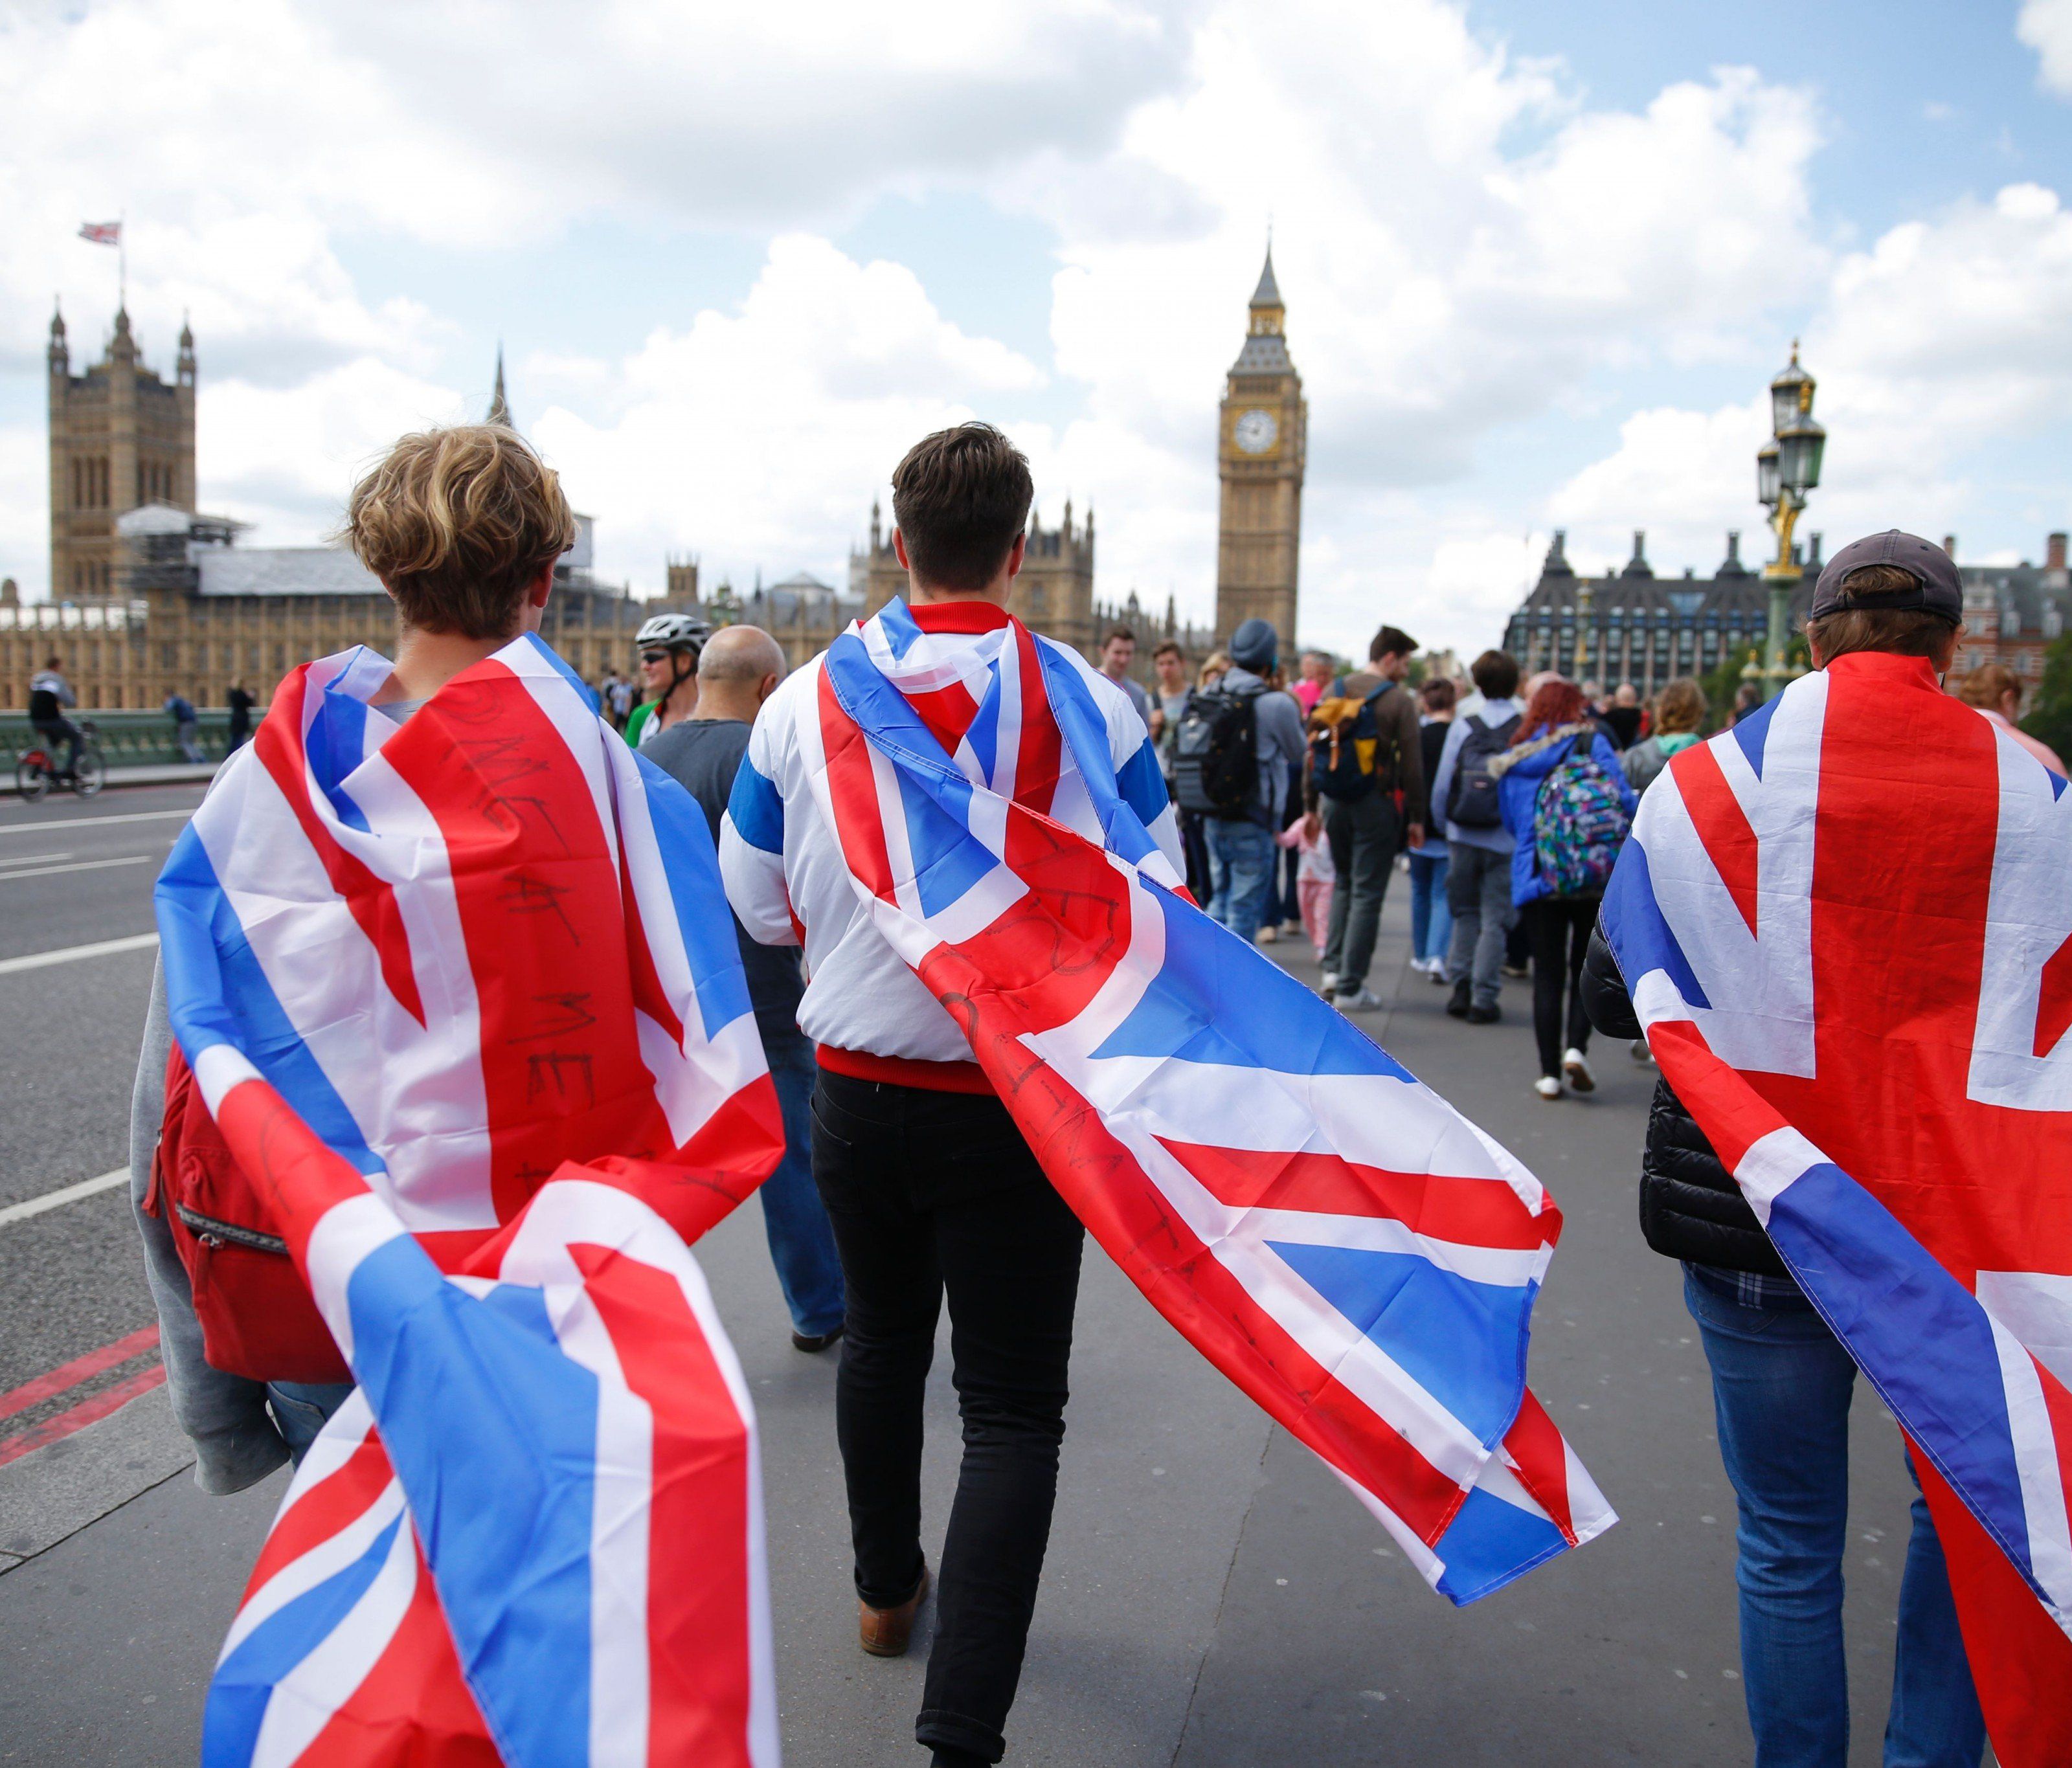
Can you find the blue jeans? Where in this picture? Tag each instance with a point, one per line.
(302, 1408)
(1241, 856)
(1431, 917)
(1780, 1388)
(802, 1245)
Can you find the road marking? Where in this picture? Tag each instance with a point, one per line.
(78, 865)
(67, 1375)
(57, 1199)
(31, 859)
(87, 1412)
(44, 828)
(66, 954)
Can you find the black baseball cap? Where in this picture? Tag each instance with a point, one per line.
(1938, 589)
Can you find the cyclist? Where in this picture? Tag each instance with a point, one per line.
(49, 694)
(669, 646)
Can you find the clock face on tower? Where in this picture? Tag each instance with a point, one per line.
(1255, 431)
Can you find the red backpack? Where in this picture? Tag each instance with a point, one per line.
(258, 1318)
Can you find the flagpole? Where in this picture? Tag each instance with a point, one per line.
(121, 262)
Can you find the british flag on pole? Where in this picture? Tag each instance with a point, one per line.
(463, 997)
(1847, 924)
(1348, 1249)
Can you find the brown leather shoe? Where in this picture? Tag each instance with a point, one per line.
(886, 1633)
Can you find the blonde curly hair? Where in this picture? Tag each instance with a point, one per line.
(456, 523)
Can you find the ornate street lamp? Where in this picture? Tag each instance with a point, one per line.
(1787, 467)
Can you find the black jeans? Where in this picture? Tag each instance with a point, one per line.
(1548, 922)
(932, 1194)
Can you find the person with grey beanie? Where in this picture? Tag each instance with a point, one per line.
(1240, 833)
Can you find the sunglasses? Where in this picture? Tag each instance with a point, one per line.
(654, 656)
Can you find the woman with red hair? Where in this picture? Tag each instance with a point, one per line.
(1568, 806)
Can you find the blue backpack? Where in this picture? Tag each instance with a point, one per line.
(1579, 823)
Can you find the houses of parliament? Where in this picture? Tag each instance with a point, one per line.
(150, 597)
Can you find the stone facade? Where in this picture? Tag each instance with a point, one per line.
(119, 437)
(170, 601)
(1261, 451)
(1629, 625)
(2011, 612)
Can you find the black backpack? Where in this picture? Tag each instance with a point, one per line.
(1473, 801)
(1216, 757)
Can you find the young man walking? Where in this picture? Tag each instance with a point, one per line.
(1478, 847)
(1906, 854)
(1242, 852)
(932, 1191)
(1367, 831)
(1118, 651)
(739, 669)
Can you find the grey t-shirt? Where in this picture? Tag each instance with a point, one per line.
(702, 756)
(1138, 697)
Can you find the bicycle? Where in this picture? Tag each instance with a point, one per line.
(36, 771)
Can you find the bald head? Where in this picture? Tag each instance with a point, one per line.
(738, 669)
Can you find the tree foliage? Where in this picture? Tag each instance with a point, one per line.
(2050, 717)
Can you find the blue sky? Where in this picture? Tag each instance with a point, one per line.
(1540, 261)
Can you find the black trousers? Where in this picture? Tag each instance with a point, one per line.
(1549, 923)
(933, 1195)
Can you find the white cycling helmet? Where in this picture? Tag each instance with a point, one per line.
(673, 632)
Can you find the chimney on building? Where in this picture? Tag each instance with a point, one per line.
(1813, 555)
(1734, 546)
(1950, 545)
(2054, 553)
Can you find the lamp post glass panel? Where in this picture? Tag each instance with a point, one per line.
(1787, 467)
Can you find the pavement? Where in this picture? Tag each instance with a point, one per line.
(1213, 1598)
(169, 773)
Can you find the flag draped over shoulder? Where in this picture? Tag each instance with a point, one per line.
(462, 996)
(1846, 925)
(1357, 1257)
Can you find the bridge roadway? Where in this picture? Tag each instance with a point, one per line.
(1214, 1598)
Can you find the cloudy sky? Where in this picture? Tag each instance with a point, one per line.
(1540, 258)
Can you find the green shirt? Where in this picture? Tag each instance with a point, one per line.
(636, 726)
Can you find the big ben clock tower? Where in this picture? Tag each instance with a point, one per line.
(1262, 441)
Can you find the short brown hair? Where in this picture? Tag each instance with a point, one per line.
(1115, 632)
(1680, 706)
(1391, 641)
(1860, 624)
(1171, 646)
(456, 523)
(1495, 675)
(959, 499)
(1438, 694)
(1985, 686)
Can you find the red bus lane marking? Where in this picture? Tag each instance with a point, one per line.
(86, 1412)
(70, 1375)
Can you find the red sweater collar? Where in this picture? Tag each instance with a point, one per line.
(958, 616)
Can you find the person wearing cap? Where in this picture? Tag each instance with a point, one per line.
(1242, 850)
(1889, 607)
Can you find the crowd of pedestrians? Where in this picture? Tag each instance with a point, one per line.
(905, 1186)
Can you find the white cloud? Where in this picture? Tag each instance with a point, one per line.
(756, 436)
(2046, 25)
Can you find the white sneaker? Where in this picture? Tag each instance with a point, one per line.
(1578, 1071)
(1327, 984)
(1361, 1000)
(1641, 1053)
(1547, 1086)
(1269, 935)
(1438, 971)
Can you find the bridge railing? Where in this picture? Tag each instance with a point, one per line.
(128, 739)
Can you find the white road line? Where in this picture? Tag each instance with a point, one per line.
(64, 1195)
(90, 822)
(101, 948)
(31, 859)
(78, 865)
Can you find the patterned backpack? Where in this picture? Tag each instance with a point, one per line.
(1579, 823)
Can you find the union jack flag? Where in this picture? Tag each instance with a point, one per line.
(1357, 1257)
(534, 1534)
(1846, 925)
(101, 233)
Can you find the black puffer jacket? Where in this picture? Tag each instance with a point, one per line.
(1689, 1207)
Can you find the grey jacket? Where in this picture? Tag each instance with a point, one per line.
(1280, 747)
(236, 1444)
